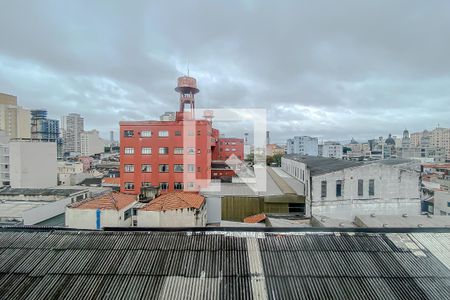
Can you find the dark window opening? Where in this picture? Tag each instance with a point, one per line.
(323, 192)
(128, 133)
(296, 207)
(338, 188)
(360, 187)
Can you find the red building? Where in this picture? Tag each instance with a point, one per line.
(174, 155)
(227, 147)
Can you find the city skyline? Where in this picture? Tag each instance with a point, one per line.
(343, 74)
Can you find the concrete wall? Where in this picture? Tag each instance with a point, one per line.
(33, 164)
(172, 218)
(299, 171)
(396, 192)
(45, 212)
(441, 203)
(214, 207)
(87, 218)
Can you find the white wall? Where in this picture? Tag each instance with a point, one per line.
(45, 212)
(332, 151)
(300, 172)
(173, 218)
(33, 164)
(214, 207)
(87, 218)
(441, 203)
(396, 192)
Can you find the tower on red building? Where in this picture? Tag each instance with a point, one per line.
(187, 88)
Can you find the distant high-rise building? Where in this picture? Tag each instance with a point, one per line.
(111, 137)
(267, 137)
(14, 120)
(73, 126)
(91, 143)
(43, 128)
(304, 145)
(46, 129)
(433, 144)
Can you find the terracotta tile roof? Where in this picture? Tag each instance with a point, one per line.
(436, 166)
(255, 218)
(114, 201)
(111, 180)
(177, 200)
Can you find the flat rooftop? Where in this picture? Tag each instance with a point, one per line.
(63, 192)
(249, 263)
(403, 221)
(322, 165)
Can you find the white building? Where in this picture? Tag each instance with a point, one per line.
(91, 143)
(72, 126)
(70, 173)
(33, 164)
(107, 210)
(332, 150)
(442, 203)
(343, 189)
(167, 116)
(304, 145)
(179, 209)
(4, 159)
(31, 206)
(15, 120)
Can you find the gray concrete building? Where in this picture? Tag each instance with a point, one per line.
(343, 189)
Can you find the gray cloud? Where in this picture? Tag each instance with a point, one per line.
(325, 68)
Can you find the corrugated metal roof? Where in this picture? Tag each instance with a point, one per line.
(229, 265)
(322, 165)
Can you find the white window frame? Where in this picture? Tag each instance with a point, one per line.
(163, 133)
(146, 150)
(128, 168)
(146, 133)
(128, 150)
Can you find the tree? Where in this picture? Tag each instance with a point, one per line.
(277, 159)
(269, 160)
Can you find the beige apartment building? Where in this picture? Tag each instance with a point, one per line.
(15, 121)
(438, 138)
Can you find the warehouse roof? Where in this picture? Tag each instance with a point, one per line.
(233, 265)
(176, 200)
(322, 165)
(115, 201)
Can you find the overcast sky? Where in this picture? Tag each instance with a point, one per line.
(333, 69)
